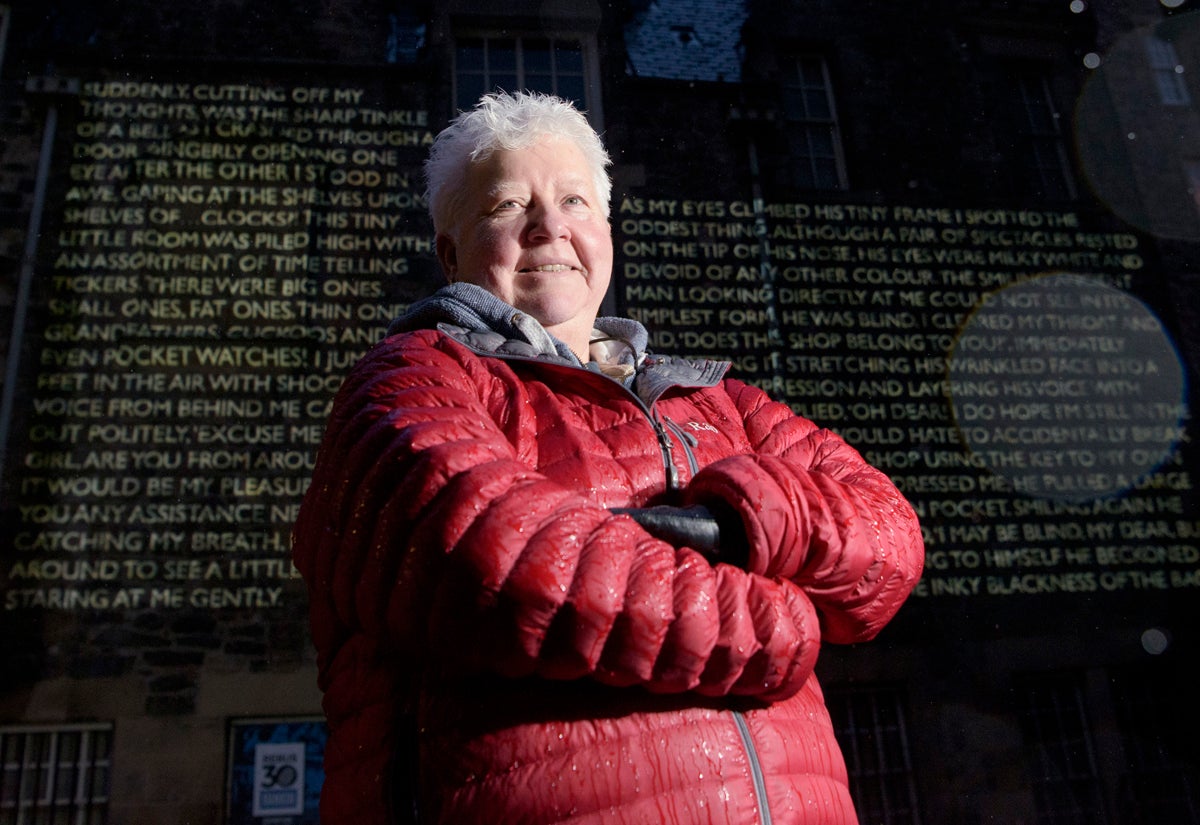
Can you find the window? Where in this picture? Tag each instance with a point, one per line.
(555, 65)
(814, 142)
(870, 726)
(1065, 780)
(1037, 152)
(1157, 785)
(55, 775)
(1167, 71)
(406, 37)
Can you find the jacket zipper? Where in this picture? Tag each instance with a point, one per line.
(687, 440)
(668, 450)
(664, 440)
(660, 426)
(756, 771)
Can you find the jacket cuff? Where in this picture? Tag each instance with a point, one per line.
(713, 530)
(774, 541)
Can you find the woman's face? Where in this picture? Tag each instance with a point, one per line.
(531, 230)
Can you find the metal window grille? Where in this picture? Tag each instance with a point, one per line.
(1167, 72)
(1033, 123)
(871, 728)
(1157, 784)
(552, 65)
(55, 776)
(1061, 758)
(814, 138)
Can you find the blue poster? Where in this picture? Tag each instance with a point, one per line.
(275, 771)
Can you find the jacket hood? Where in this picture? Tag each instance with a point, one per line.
(476, 310)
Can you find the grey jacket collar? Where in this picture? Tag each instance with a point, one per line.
(474, 308)
(483, 322)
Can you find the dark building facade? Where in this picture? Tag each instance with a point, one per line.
(965, 235)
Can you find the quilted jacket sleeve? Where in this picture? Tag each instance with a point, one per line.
(425, 526)
(818, 515)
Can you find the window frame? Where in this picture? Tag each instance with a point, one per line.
(1038, 150)
(1165, 69)
(804, 125)
(589, 71)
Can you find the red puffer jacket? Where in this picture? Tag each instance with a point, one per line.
(465, 569)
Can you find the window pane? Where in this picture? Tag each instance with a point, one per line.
(64, 784)
(568, 57)
(470, 89)
(816, 104)
(810, 72)
(101, 744)
(1038, 118)
(793, 103)
(503, 82)
(99, 783)
(821, 141)
(539, 67)
(1170, 87)
(471, 72)
(469, 56)
(537, 57)
(502, 56)
(571, 88)
(9, 785)
(1036, 157)
(502, 65)
(811, 118)
(1164, 62)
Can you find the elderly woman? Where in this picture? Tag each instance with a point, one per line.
(555, 578)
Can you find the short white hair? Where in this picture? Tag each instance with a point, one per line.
(504, 120)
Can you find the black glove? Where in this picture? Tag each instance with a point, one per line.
(716, 535)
